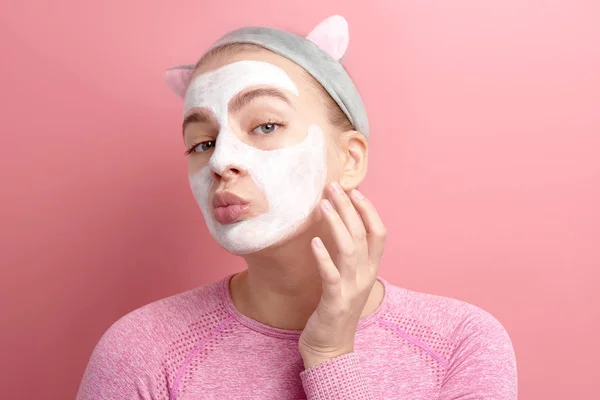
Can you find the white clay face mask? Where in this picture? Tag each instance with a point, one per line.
(291, 178)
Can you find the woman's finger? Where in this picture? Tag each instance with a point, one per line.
(376, 232)
(330, 276)
(351, 219)
(343, 240)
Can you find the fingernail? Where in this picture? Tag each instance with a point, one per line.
(357, 195)
(317, 243)
(327, 206)
(336, 187)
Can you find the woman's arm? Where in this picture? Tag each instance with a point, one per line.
(120, 367)
(483, 364)
(482, 367)
(336, 378)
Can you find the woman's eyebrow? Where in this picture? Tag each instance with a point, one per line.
(201, 116)
(241, 99)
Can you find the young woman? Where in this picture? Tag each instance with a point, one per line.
(277, 138)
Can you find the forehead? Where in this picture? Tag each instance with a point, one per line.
(253, 53)
(215, 88)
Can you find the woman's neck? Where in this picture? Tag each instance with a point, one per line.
(282, 288)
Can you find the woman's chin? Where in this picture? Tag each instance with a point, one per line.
(294, 241)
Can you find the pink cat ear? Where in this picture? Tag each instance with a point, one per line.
(332, 36)
(178, 79)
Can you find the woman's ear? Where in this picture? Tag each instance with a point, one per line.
(354, 147)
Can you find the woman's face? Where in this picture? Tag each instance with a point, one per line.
(260, 148)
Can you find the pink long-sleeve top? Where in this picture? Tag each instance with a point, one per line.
(197, 345)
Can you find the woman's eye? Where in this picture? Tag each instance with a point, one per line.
(202, 147)
(266, 128)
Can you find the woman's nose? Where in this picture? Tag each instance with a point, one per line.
(229, 172)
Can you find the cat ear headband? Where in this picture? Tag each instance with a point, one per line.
(320, 53)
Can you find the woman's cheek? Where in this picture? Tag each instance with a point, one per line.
(333, 164)
(195, 163)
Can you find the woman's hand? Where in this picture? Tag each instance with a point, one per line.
(347, 278)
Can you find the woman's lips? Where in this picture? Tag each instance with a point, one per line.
(230, 214)
(228, 207)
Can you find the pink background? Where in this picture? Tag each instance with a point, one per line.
(485, 167)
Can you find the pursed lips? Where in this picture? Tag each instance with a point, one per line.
(228, 207)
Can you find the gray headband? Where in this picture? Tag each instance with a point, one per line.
(324, 68)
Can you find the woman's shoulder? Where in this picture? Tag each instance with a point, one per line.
(441, 316)
(137, 350)
(164, 320)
